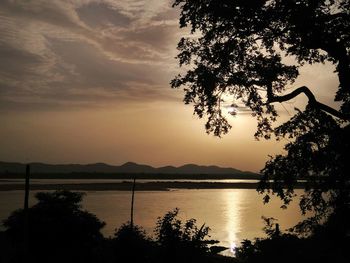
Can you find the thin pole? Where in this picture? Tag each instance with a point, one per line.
(26, 201)
(26, 190)
(132, 204)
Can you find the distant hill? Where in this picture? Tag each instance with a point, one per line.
(8, 168)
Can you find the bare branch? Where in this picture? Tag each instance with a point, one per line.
(312, 100)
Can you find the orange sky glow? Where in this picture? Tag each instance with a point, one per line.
(88, 81)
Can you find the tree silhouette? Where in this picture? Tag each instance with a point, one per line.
(59, 230)
(129, 238)
(237, 48)
(183, 240)
(287, 247)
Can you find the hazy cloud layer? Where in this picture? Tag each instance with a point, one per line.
(74, 75)
(85, 53)
(75, 53)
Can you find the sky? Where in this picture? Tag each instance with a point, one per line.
(86, 81)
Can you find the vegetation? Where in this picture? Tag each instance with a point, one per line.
(131, 244)
(237, 50)
(287, 247)
(60, 231)
(184, 240)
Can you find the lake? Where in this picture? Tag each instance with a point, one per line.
(232, 214)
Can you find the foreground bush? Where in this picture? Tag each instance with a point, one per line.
(58, 230)
(131, 244)
(184, 241)
(322, 245)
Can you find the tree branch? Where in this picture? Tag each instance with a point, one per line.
(312, 100)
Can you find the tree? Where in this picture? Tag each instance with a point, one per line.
(129, 238)
(237, 48)
(184, 241)
(59, 230)
(288, 247)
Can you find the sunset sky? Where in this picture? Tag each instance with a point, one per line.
(85, 81)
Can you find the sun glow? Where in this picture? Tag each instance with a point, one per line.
(232, 110)
(233, 198)
(233, 247)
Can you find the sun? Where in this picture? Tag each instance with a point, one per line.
(232, 110)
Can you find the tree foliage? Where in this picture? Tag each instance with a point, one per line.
(317, 153)
(237, 49)
(58, 229)
(323, 246)
(129, 238)
(184, 240)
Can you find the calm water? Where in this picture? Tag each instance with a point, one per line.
(79, 181)
(232, 214)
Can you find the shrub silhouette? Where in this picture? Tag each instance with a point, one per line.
(288, 247)
(181, 241)
(132, 245)
(58, 229)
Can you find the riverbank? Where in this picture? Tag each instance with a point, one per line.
(127, 186)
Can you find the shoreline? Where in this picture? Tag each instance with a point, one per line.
(127, 186)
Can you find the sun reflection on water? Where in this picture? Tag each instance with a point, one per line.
(233, 199)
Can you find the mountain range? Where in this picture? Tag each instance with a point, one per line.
(126, 168)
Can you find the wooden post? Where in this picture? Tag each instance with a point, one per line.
(26, 189)
(277, 231)
(26, 223)
(132, 204)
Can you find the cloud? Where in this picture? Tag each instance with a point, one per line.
(101, 15)
(85, 53)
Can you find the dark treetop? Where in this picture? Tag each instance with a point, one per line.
(236, 50)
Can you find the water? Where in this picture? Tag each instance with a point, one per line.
(232, 214)
(96, 181)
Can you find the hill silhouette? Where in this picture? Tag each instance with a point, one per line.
(12, 168)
